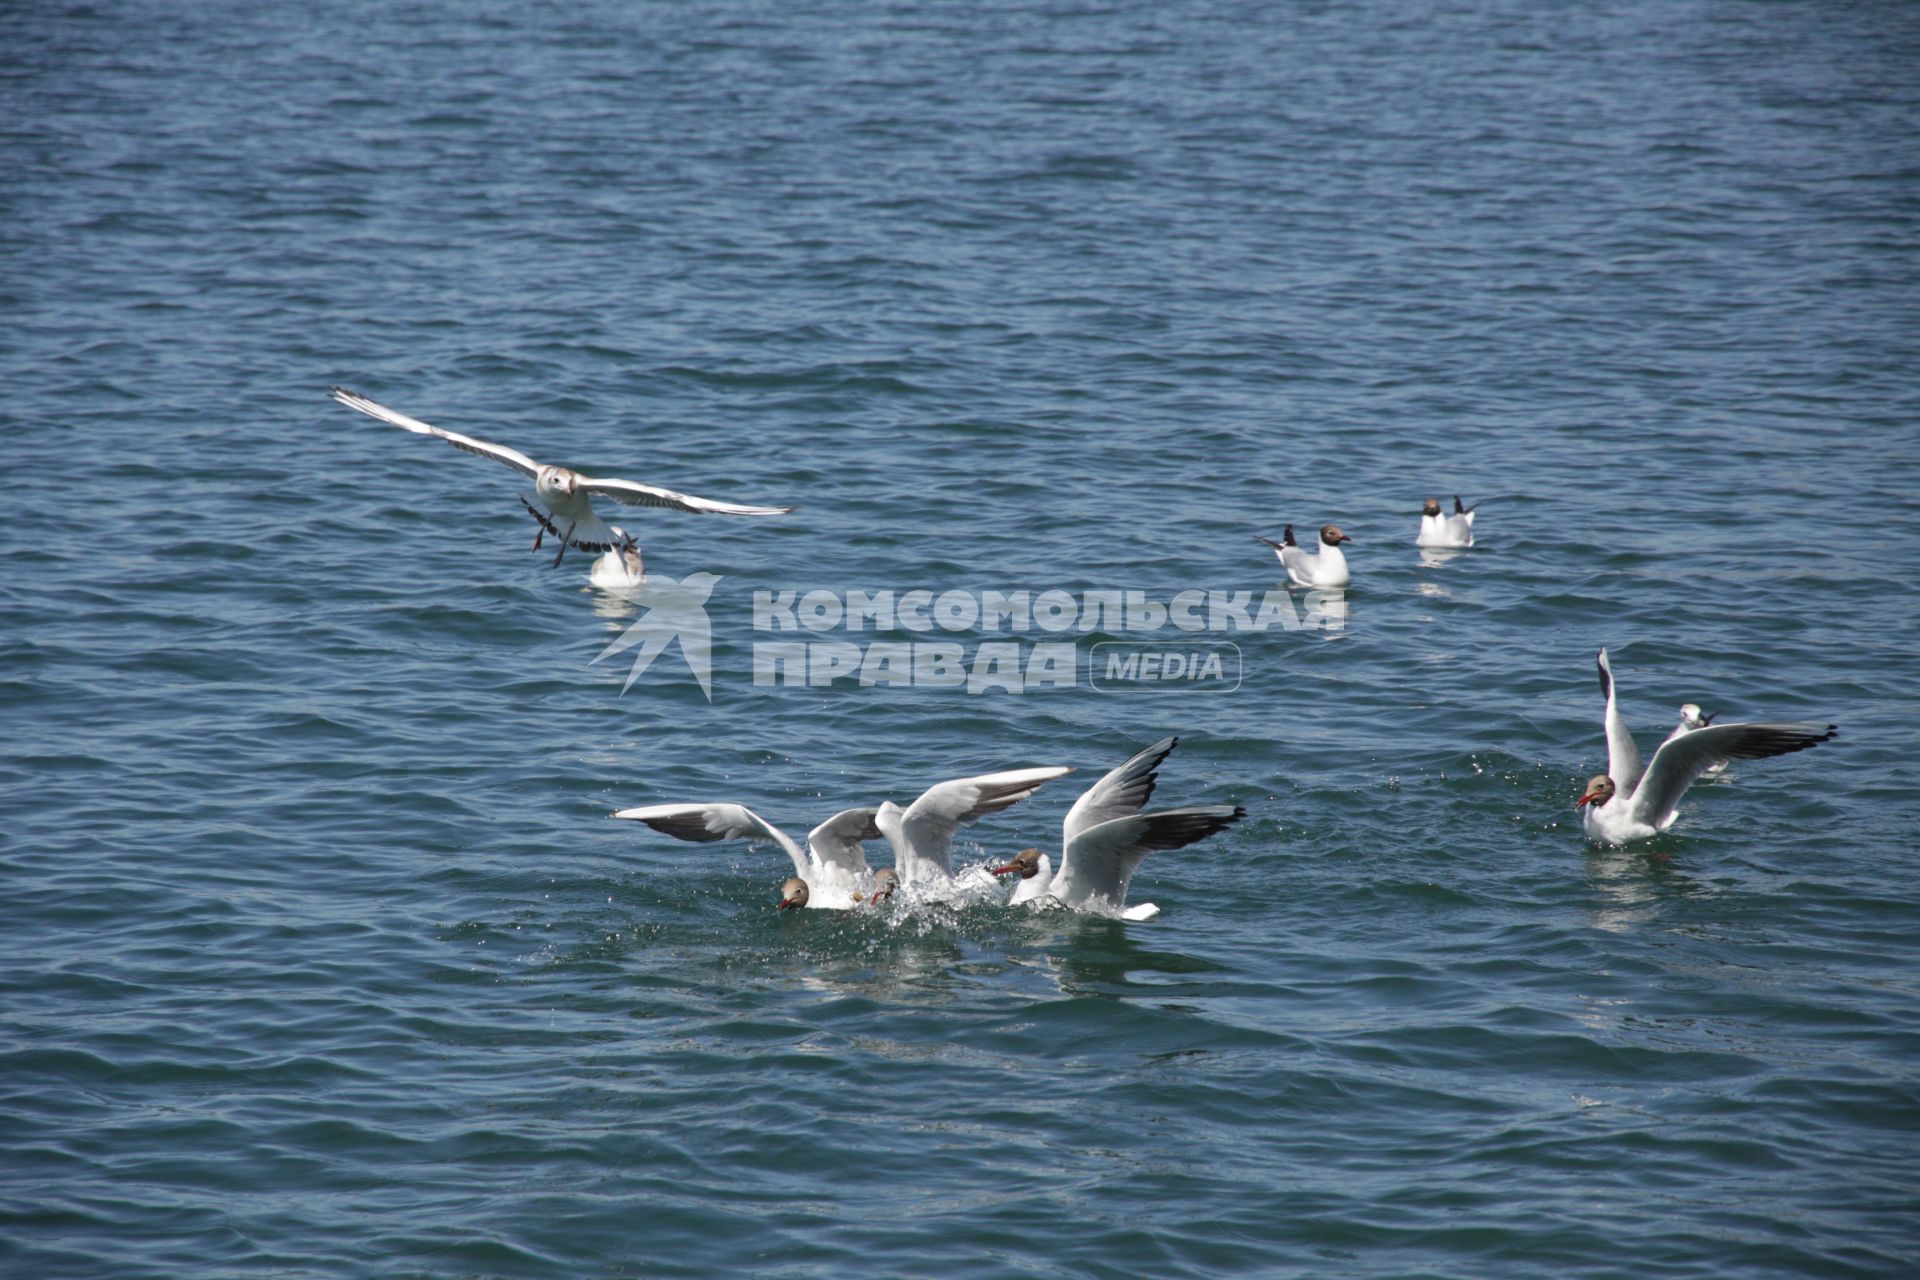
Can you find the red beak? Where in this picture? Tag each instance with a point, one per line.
(1586, 799)
(1001, 871)
(786, 903)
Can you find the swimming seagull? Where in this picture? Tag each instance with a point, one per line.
(1629, 803)
(620, 569)
(833, 865)
(922, 833)
(565, 506)
(1105, 837)
(1691, 718)
(1437, 530)
(1328, 569)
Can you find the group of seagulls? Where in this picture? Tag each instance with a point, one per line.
(1104, 838)
(1328, 567)
(1626, 803)
(1105, 835)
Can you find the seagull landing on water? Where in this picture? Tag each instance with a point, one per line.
(1437, 530)
(831, 871)
(1106, 836)
(565, 498)
(1628, 803)
(1328, 569)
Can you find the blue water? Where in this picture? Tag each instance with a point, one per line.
(320, 956)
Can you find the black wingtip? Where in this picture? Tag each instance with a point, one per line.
(1782, 740)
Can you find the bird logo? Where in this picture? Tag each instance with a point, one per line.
(673, 611)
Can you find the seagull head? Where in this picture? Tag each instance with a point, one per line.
(1692, 717)
(885, 881)
(1599, 790)
(1432, 507)
(1332, 536)
(1026, 862)
(793, 893)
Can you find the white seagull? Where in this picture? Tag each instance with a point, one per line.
(922, 833)
(620, 569)
(831, 871)
(1120, 793)
(1105, 837)
(1437, 530)
(1328, 569)
(565, 507)
(1692, 718)
(1628, 803)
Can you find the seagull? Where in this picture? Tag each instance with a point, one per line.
(1691, 718)
(1105, 837)
(794, 893)
(1628, 803)
(1035, 870)
(833, 865)
(565, 506)
(1437, 530)
(885, 881)
(922, 833)
(1119, 793)
(1328, 569)
(620, 569)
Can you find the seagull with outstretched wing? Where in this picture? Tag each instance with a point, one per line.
(922, 833)
(1631, 802)
(1121, 793)
(831, 870)
(563, 499)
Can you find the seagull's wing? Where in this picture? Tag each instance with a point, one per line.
(929, 823)
(1680, 761)
(485, 448)
(1099, 863)
(705, 823)
(837, 841)
(635, 494)
(1623, 757)
(1122, 792)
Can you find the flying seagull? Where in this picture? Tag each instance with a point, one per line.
(565, 498)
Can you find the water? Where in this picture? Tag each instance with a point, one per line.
(321, 957)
